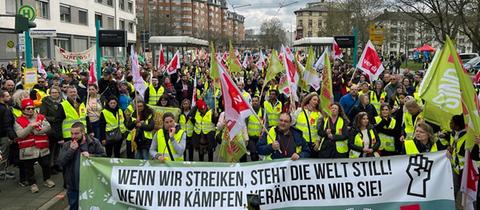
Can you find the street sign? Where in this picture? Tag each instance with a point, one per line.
(21, 47)
(10, 44)
(112, 38)
(43, 32)
(21, 38)
(28, 12)
(345, 41)
(377, 34)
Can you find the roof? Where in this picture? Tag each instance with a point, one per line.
(186, 41)
(312, 9)
(313, 41)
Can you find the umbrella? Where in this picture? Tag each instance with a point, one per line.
(425, 47)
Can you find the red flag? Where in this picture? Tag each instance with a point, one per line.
(291, 71)
(370, 62)
(477, 77)
(40, 67)
(469, 182)
(236, 108)
(161, 60)
(246, 61)
(261, 61)
(92, 76)
(337, 51)
(174, 64)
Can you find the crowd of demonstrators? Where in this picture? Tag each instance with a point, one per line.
(66, 117)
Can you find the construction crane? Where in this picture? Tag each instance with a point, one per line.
(234, 6)
(283, 4)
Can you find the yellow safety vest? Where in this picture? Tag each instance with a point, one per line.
(409, 125)
(273, 113)
(458, 161)
(375, 101)
(203, 124)
(359, 142)
(16, 112)
(254, 127)
(186, 125)
(146, 134)
(272, 134)
(71, 117)
(307, 123)
(162, 147)
(341, 146)
(411, 148)
(387, 143)
(132, 132)
(154, 95)
(114, 122)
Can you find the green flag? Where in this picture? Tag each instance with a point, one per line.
(231, 150)
(213, 66)
(326, 92)
(274, 67)
(232, 61)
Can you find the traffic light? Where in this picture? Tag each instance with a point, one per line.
(23, 24)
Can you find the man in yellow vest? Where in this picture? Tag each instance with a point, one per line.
(71, 111)
(39, 91)
(154, 92)
(254, 128)
(204, 120)
(283, 141)
(273, 108)
(169, 142)
(245, 94)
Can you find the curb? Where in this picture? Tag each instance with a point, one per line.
(59, 201)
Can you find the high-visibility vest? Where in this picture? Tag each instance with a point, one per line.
(409, 124)
(307, 123)
(375, 101)
(273, 113)
(358, 141)
(204, 124)
(387, 142)
(113, 121)
(186, 125)
(131, 134)
(162, 147)
(411, 148)
(458, 161)
(341, 146)
(131, 87)
(146, 134)
(16, 112)
(272, 134)
(39, 141)
(154, 95)
(254, 127)
(72, 116)
(40, 95)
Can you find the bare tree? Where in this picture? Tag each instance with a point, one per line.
(272, 33)
(469, 15)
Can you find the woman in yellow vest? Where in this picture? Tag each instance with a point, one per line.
(144, 125)
(186, 124)
(334, 133)
(307, 119)
(412, 116)
(94, 109)
(111, 119)
(422, 142)
(388, 130)
(169, 142)
(378, 95)
(364, 140)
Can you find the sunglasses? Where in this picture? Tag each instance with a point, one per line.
(29, 108)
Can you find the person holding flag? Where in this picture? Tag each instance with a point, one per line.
(203, 120)
(306, 120)
(154, 92)
(283, 141)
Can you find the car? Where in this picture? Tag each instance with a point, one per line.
(473, 65)
(465, 57)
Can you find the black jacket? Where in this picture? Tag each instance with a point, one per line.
(53, 112)
(351, 141)
(140, 139)
(70, 160)
(369, 109)
(8, 120)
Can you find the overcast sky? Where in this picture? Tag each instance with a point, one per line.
(261, 10)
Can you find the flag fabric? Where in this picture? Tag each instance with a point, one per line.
(214, 67)
(194, 95)
(236, 108)
(261, 61)
(92, 76)
(310, 75)
(283, 86)
(246, 61)
(370, 62)
(477, 77)
(233, 61)
(302, 84)
(138, 81)
(326, 93)
(161, 60)
(337, 51)
(40, 67)
(274, 67)
(291, 71)
(174, 64)
(469, 182)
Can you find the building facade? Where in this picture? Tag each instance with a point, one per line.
(205, 19)
(311, 20)
(73, 22)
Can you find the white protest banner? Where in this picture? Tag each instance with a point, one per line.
(64, 56)
(398, 182)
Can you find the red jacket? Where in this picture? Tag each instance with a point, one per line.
(38, 141)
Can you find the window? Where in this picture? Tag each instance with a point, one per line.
(98, 17)
(110, 2)
(310, 23)
(63, 42)
(122, 25)
(393, 45)
(121, 4)
(130, 6)
(309, 13)
(65, 14)
(110, 23)
(42, 8)
(40, 47)
(10, 6)
(130, 27)
(83, 17)
(309, 34)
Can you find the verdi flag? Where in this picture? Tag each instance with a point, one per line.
(302, 84)
(274, 67)
(326, 93)
(232, 61)
(310, 75)
(213, 66)
(231, 150)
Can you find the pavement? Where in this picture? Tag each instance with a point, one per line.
(14, 197)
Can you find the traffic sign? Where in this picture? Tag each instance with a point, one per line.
(28, 12)
(10, 44)
(376, 34)
(43, 33)
(21, 38)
